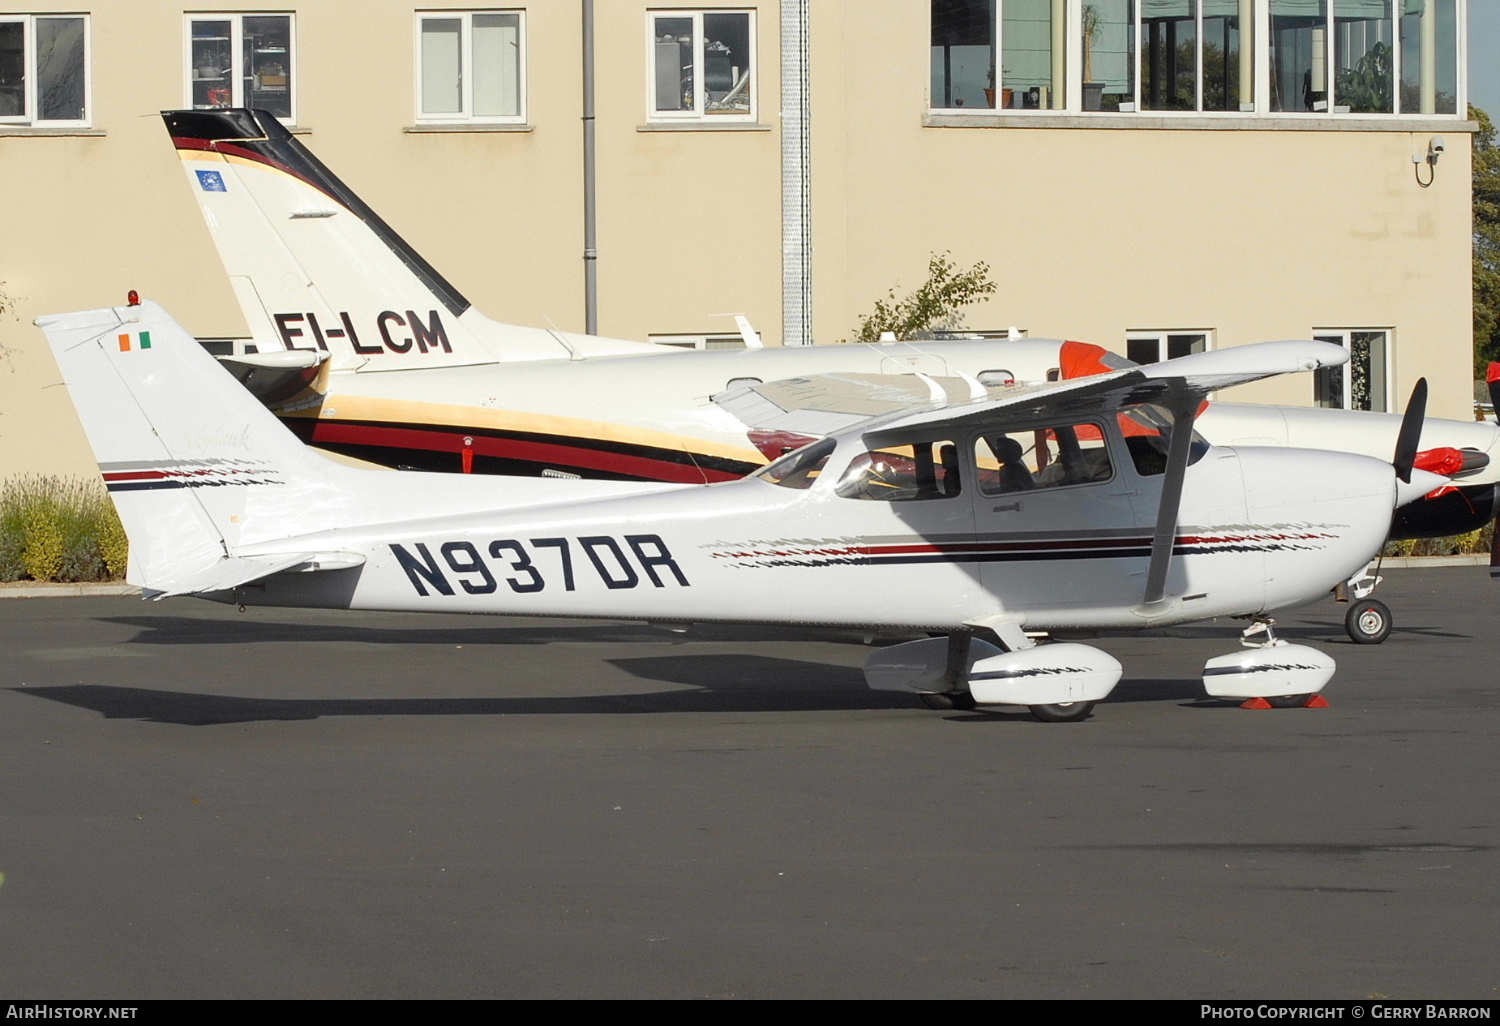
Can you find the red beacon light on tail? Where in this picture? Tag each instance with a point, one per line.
(132, 298)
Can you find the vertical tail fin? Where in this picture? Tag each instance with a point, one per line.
(196, 467)
(312, 265)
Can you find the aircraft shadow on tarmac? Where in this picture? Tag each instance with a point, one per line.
(184, 630)
(1330, 632)
(733, 683)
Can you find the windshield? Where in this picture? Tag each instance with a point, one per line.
(1148, 436)
(801, 468)
(926, 470)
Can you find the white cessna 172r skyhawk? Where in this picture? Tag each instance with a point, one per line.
(366, 350)
(920, 518)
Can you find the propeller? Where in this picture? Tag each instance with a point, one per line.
(1410, 435)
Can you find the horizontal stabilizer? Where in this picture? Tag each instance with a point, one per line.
(232, 572)
(286, 359)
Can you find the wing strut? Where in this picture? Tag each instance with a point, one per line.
(1171, 501)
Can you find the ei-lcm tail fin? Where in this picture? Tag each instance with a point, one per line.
(313, 267)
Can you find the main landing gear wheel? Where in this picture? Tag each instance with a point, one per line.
(962, 701)
(1288, 701)
(1368, 622)
(1063, 712)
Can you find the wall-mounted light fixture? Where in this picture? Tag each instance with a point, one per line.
(1435, 148)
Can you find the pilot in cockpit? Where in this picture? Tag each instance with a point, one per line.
(1014, 475)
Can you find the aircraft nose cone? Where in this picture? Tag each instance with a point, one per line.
(1329, 513)
(1422, 483)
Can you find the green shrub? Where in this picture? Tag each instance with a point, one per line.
(59, 529)
(1475, 542)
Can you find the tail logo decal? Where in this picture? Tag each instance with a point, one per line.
(211, 181)
(149, 475)
(141, 340)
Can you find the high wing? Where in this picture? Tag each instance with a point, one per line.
(830, 403)
(1179, 386)
(901, 414)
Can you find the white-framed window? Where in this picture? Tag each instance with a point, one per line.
(1364, 383)
(242, 60)
(719, 340)
(1156, 346)
(1168, 55)
(702, 64)
(967, 37)
(471, 67)
(1207, 57)
(1351, 57)
(44, 70)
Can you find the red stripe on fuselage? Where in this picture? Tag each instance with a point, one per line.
(544, 453)
(134, 475)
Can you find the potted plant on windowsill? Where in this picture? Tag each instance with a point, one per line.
(1093, 92)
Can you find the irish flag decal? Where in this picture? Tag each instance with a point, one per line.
(142, 341)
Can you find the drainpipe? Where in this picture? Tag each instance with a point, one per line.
(796, 178)
(590, 208)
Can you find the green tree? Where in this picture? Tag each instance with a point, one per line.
(1486, 242)
(936, 306)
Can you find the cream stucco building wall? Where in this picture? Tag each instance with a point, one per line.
(1246, 229)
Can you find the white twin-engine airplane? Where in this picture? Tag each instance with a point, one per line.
(914, 515)
(364, 349)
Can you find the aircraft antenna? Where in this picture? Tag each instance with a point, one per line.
(556, 332)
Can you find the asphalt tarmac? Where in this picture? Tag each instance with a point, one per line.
(201, 803)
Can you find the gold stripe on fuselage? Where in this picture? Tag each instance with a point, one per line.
(347, 407)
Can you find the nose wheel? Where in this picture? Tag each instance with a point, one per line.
(1368, 621)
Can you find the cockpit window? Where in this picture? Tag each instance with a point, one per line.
(1148, 436)
(903, 473)
(1050, 457)
(801, 468)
